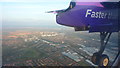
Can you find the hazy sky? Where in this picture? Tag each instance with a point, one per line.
(30, 12)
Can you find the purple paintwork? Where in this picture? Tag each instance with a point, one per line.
(97, 4)
(76, 17)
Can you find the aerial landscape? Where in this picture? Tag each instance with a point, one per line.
(52, 47)
(59, 33)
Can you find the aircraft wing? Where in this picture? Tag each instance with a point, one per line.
(72, 5)
(56, 11)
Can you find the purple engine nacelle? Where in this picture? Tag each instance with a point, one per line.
(93, 17)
